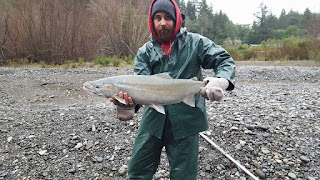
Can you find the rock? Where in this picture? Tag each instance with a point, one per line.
(99, 159)
(242, 143)
(304, 159)
(265, 151)
(260, 174)
(208, 167)
(42, 152)
(9, 139)
(78, 146)
(238, 146)
(89, 145)
(3, 174)
(292, 175)
(311, 178)
(233, 128)
(72, 170)
(111, 158)
(122, 170)
(93, 128)
(157, 176)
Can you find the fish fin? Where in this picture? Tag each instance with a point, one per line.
(159, 108)
(189, 100)
(122, 101)
(194, 78)
(163, 75)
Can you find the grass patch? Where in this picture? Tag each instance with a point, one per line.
(114, 61)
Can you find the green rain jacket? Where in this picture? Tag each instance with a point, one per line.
(190, 53)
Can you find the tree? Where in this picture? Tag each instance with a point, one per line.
(191, 10)
(263, 27)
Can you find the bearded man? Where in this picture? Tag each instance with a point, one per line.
(183, 55)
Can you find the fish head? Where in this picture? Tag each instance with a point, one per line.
(101, 89)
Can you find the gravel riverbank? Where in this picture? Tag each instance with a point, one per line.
(51, 129)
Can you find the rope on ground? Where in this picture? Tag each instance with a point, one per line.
(229, 157)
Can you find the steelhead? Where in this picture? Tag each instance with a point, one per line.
(154, 90)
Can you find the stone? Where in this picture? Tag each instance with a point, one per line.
(9, 139)
(122, 170)
(260, 174)
(99, 159)
(72, 170)
(265, 150)
(238, 146)
(304, 159)
(43, 152)
(78, 146)
(292, 175)
(242, 143)
(208, 167)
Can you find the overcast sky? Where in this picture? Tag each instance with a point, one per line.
(242, 11)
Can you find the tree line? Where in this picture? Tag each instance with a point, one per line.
(218, 27)
(55, 31)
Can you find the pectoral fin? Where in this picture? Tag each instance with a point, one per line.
(159, 108)
(189, 100)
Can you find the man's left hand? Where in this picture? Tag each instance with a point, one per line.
(214, 89)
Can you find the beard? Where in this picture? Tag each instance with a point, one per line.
(164, 34)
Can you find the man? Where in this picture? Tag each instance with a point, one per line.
(183, 54)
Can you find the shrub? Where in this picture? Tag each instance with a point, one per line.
(43, 64)
(236, 55)
(248, 54)
(115, 61)
(101, 60)
(80, 61)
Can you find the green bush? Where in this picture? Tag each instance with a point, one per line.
(314, 56)
(101, 60)
(243, 47)
(236, 55)
(80, 61)
(129, 59)
(242, 53)
(115, 61)
(248, 54)
(43, 64)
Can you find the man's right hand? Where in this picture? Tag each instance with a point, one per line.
(125, 112)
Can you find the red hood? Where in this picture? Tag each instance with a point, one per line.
(178, 21)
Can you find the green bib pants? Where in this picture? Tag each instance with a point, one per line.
(182, 155)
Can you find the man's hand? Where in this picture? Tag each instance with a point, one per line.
(214, 88)
(125, 111)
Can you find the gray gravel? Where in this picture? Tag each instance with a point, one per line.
(51, 129)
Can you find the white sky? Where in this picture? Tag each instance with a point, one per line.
(242, 11)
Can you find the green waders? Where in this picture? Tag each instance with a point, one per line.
(182, 154)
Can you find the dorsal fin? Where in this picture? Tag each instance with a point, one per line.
(194, 78)
(163, 75)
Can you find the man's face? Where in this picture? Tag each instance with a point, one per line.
(164, 26)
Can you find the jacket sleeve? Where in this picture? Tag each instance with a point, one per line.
(214, 57)
(141, 65)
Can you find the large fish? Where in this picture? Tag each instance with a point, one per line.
(154, 90)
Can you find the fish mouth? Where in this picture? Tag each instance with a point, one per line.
(92, 89)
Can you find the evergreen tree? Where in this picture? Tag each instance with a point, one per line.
(263, 27)
(191, 10)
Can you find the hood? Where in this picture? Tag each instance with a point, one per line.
(178, 21)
